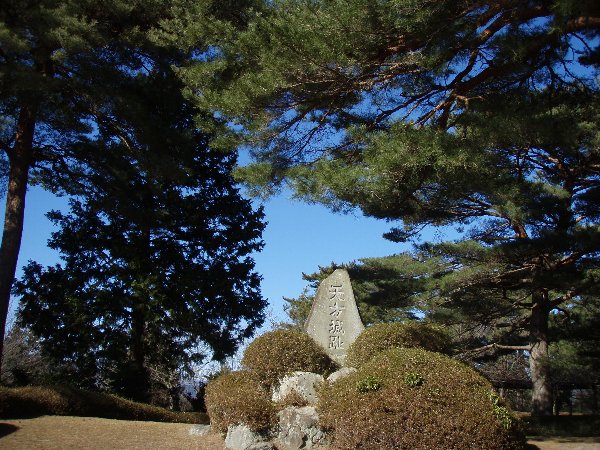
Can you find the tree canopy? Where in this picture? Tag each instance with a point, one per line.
(480, 115)
(90, 107)
(157, 267)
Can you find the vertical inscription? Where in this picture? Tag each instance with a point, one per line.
(334, 322)
(337, 305)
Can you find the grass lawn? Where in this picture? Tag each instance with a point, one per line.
(69, 433)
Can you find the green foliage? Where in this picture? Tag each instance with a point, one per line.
(433, 114)
(502, 413)
(157, 271)
(277, 353)
(575, 354)
(413, 379)
(239, 397)
(368, 384)
(34, 401)
(73, 71)
(383, 336)
(453, 412)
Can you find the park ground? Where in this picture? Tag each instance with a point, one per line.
(69, 433)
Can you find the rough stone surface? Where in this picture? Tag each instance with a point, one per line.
(339, 374)
(240, 437)
(299, 429)
(199, 430)
(334, 322)
(304, 383)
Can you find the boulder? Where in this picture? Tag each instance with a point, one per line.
(339, 374)
(303, 383)
(299, 429)
(240, 437)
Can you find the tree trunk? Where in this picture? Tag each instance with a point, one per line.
(541, 395)
(20, 158)
(138, 332)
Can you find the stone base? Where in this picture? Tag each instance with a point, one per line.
(299, 429)
(240, 437)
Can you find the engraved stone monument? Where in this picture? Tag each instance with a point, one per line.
(334, 321)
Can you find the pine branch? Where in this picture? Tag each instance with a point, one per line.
(496, 346)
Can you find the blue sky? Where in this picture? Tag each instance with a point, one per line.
(298, 238)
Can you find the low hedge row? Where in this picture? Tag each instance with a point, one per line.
(35, 401)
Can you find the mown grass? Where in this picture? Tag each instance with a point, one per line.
(35, 401)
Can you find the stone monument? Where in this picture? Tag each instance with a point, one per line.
(334, 322)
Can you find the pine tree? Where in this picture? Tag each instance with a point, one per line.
(157, 267)
(482, 115)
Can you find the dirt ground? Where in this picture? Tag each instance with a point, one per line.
(70, 433)
(83, 433)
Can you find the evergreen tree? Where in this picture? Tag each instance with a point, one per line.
(157, 251)
(66, 66)
(482, 115)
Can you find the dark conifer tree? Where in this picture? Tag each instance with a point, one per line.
(65, 65)
(157, 247)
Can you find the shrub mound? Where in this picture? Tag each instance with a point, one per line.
(383, 336)
(235, 398)
(413, 398)
(35, 401)
(279, 352)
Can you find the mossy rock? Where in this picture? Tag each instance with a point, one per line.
(411, 398)
(280, 352)
(384, 336)
(235, 398)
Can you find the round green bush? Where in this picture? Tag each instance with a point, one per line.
(411, 398)
(383, 336)
(279, 352)
(235, 398)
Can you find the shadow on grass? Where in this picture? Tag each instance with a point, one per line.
(568, 427)
(6, 429)
(566, 439)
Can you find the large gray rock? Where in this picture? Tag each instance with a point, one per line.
(240, 437)
(339, 374)
(299, 429)
(334, 322)
(304, 383)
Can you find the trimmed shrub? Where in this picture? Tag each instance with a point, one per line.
(383, 336)
(35, 401)
(235, 398)
(279, 352)
(415, 399)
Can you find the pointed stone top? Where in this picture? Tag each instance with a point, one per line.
(334, 322)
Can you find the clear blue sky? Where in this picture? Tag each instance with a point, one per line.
(298, 238)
